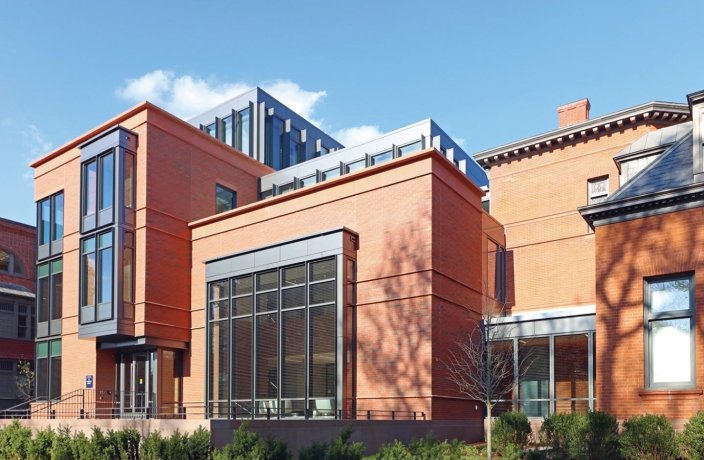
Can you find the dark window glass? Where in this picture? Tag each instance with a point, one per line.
(48, 369)
(283, 188)
(218, 290)
(42, 371)
(297, 149)
(225, 199)
(218, 360)
(128, 268)
(267, 357)
(243, 131)
(44, 294)
(129, 181)
(572, 373)
(322, 351)
(55, 385)
(57, 286)
(88, 272)
(242, 285)
(534, 388)
(44, 221)
(325, 269)
(105, 277)
(90, 190)
(242, 358)
(227, 130)
(322, 292)
(274, 146)
(58, 222)
(293, 348)
(267, 280)
(107, 177)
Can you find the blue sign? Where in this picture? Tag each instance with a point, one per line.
(89, 381)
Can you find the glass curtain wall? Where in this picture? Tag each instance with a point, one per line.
(558, 375)
(272, 343)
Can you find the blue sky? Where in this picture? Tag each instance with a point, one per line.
(487, 72)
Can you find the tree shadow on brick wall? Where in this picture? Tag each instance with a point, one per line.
(624, 260)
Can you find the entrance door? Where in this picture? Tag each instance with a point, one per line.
(136, 383)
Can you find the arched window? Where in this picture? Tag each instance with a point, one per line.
(9, 263)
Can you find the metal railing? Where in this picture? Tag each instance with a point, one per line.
(110, 404)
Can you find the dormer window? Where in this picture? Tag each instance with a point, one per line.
(696, 107)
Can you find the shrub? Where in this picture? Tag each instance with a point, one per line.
(602, 436)
(648, 437)
(394, 451)
(246, 445)
(151, 446)
(565, 435)
(692, 439)
(511, 428)
(40, 447)
(428, 448)
(15, 441)
(61, 445)
(512, 452)
(339, 449)
(198, 444)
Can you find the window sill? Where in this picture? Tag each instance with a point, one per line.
(669, 393)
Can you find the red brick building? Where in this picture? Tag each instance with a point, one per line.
(17, 286)
(198, 281)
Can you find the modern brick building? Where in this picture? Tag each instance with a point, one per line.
(200, 282)
(18, 243)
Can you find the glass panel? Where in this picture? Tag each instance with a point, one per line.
(324, 269)
(90, 188)
(242, 306)
(43, 295)
(322, 371)
(268, 301)
(267, 280)
(322, 292)
(671, 350)
(267, 356)
(42, 377)
(105, 240)
(242, 358)
(242, 285)
(571, 371)
(43, 350)
(55, 347)
(55, 385)
(88, 273)
(218, 290)
(293, 297)
(296, 150)
(219, 310)
(210, 129)
(105, 292)
(283, 188)
(58, 230)
(382, 158)
(356, 165)
(536, 379)
(293, 408)
(274, 150)
(129, 181)
(669, 295)
(44, 221)
(410, 148)
(243, 131)
(4, 261)
(292, 276)
(330, 173)
(227, 130)
(293, 351)
(225, 199)
(57, 282)
(127, 274)
(218, 360)
(107, 177)
(306, 181)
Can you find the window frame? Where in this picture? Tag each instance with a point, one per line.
(233, 201)
(591, 196)
(649, 318)
(52, 324)
(51, 371)
(101, 217)
(54, 245)
(14, 267)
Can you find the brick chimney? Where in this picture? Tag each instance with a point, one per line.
(573, 112)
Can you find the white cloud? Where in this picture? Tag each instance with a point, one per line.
(189, 95)
(36, 146)
(461, 141)
(356, 134)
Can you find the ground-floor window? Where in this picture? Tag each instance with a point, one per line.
(272, 342)
(558, 375)
(48, 369)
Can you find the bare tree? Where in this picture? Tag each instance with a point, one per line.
(483, 367)
(24, 380)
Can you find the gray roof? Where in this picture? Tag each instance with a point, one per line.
(15, 289)
(654, 139)
(672, 169)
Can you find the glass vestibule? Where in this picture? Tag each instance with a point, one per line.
(272, 343)
(148, 383)
(558, 375)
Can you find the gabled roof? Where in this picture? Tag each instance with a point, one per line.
(664, 113)
(665, 185)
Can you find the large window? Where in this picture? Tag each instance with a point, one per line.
(598, 189)
(242, 138)
(669, 316)
(9, 263)
(50, 225)
(273, 343)
(48, 369)
(96, 274)
(16, 319)
(225, 199)
(98, 191)
(49, 297)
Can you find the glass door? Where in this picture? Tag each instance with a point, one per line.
(136, 383)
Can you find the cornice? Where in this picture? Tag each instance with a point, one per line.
(668, 113)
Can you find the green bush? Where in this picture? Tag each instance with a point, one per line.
(339, 449)
(428, 448)
(15, 441)
(602, 436)
(648, 437)
(565, 435)
(692, 439)
(40, 447)
(198, 444)
(511, 428)
(512, 452)
(247, 445)
(151, 446)
(61, 446)
(394, 451)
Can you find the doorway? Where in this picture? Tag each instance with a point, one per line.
(136, 383)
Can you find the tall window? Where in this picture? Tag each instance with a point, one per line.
(281, 356)
(274, 147)
(49, 295)
(226, 135)
(48, 369)
(242, 137)
(97, 270)
(296, 149)
(598, 189)
(669, 312)
(98, 191)
(50, 225)
(16, 319)
(225, 199)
